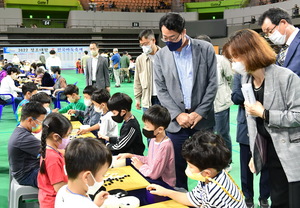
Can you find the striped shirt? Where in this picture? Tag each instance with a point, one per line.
(212, 195)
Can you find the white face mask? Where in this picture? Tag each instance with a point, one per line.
(98, 110)
(71, 100)
(87, 102)
(147, 49)
(14, 76)
(277, 38)
(48, 110)
(94, 188)
(94, 53)
(239, 67)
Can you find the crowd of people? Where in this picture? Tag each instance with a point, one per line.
(184, 90)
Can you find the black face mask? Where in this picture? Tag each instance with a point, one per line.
(118, 118)
(148, 134)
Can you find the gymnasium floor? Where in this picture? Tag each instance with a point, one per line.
(8, 123)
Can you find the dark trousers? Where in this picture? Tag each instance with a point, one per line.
(247, 176)
(180, 163)
(31, 179)
(283, 193)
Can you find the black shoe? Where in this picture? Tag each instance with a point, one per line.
(117, 86)
(249, 203)
(263, 203)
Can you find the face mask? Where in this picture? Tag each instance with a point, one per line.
(94, 188)
(98, 110)
(277, 38)
(195, 176)
(87, 102)
(239, 67)
(174, 46)
(54, 76)
(118, 118)
(64, 143)
(147, 49)
(37, 128)
(14, 76)
(94, 53)
(71, 100)
(48, 110)
(148, 134)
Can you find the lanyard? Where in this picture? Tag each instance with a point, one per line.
(54, 150)
(77, 194)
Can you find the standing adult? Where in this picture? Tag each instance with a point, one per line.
(97, 69)
(277, 25)
(144, 88)
(52, 61)
(42, 59)
(274, 120)
(15, 61)
(115, 59)
(124, 64)
(186, 81)
(84, 59)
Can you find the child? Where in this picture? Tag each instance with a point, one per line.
(130, 139)
(207, 156)
(76, 103)
(28, 89)
(160, 160)
(91, 117)
(43, 98)
(87, 161)
(52, 176)
(106, 125)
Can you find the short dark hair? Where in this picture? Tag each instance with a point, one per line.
(86, 154)
(28, 87)
(90, 89)
(70, 89)
(32, 109)
(55, 69)
(41, 97)
(158, 116)
(275, 15)
(206, 150)
(52, 52)
(172, 21)
(101, 96)
(12, 70)
(95, 43)
(146, 34)
(86, 52)
(119, 101)
(203, 37)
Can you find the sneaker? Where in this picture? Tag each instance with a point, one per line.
(117, 86)
(263, 203)
(249, 203)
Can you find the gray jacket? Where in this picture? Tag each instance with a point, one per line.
(102, 75)
(282, 99)
(205, 84)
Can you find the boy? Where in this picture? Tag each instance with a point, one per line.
(206, 155)
(28, 89)
(43, 98)
(106, 125)
(76, 103)
(23, 147)
(87, 161)
(159, 165)
(91, 117)
(130, 139)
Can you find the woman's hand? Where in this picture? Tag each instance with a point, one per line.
(256, 109)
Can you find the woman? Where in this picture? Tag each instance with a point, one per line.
(274, 120)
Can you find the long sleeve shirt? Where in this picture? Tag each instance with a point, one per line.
(8, 87)
(79, 105)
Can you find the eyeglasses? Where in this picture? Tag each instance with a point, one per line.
(268, 33)
(171, 39)
(35, 119)
(145, 44)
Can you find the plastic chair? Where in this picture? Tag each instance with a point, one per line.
(18, 191)
(58, 100)
(14, 107)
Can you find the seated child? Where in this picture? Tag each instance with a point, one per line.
(91, 117)
(52, 176)
(76, 103)
(207, 156)
(130, 139)
(106, 126)
(43, 98)
(28, 89)
(159, 164)
(87, 161)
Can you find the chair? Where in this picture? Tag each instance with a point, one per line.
(58, 100)
(14, 107)
(18, 191)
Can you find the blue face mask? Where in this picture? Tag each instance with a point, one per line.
(54, 76)
(174, 46)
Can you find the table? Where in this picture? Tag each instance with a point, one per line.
(165, 204)
(129, 183)
(76, 126)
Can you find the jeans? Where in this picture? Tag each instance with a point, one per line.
(31, 179)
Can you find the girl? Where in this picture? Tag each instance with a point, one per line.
(52, 175)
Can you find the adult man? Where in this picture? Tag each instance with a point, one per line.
(276, 23)
(144, 88)
(84, 59)
(124, 64)
(42, 59)
(23, 147)
(97, 69)
(186, 81)
(115, 59)
(52, 60)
